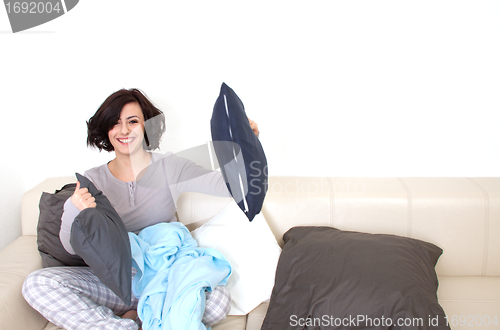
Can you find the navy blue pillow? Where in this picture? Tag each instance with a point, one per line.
(239, 152)
(99, 236)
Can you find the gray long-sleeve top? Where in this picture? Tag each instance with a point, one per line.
(152, 198)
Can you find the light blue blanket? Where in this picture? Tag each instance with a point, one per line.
(173, 273)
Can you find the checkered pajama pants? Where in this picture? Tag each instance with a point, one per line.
(74, 298)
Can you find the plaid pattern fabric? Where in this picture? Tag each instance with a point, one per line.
(74, 298)
(217, 305)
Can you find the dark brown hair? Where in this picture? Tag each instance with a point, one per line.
(109, 112)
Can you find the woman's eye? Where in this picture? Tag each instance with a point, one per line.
(134, 121)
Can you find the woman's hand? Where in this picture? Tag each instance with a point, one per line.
(254, 126)
(81, 198)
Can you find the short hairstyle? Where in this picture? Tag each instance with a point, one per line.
(109, 112)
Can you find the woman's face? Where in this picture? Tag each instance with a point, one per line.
(127, 134)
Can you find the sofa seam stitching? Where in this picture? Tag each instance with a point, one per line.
(486, 225)
(470, 300)
(332, 201)
(14, 272)
(409, 200)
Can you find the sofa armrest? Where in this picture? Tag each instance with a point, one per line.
(17, 260)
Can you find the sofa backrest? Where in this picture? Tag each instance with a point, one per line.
(460, 215)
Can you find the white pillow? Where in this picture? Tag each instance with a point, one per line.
(250, 248)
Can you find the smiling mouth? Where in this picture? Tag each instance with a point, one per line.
(125, 140)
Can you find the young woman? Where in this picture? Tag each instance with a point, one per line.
(131, 126)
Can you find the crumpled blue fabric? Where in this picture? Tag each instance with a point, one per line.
(172, 275)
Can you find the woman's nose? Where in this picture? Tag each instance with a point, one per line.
(124, 128)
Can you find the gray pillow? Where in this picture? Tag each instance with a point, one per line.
(49, 224)
(332, 279)
(99, 236)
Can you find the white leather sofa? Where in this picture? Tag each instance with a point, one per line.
(460, 215)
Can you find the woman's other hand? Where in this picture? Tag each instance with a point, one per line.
(254, 126)
(81, 198)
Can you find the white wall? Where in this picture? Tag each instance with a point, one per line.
(339, 88)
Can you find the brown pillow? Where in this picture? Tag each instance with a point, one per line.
(328, 279)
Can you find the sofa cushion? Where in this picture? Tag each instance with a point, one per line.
(250, 248)
(239, 152)
(49, 224)
(99, 236)
(328, 278)
(17, 260)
